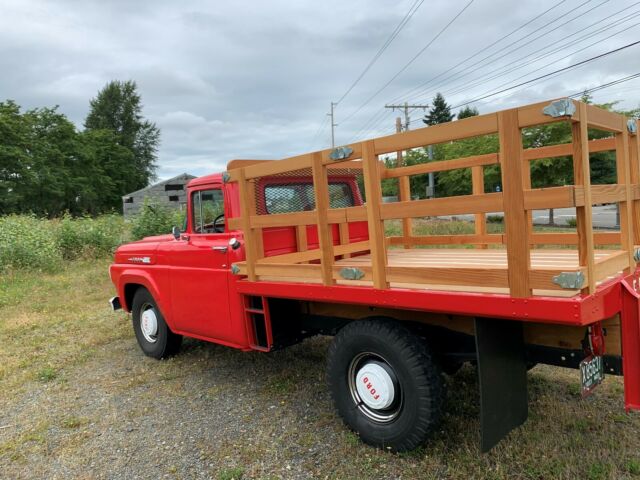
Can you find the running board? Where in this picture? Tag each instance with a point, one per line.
(502, 377)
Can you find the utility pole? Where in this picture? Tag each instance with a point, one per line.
(406, 107)
(333, 125)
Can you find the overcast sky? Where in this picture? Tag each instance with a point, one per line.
(254, 79)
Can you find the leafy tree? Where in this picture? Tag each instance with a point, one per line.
(118, 108)
(467, 112)
(14, 157)
(440, 111)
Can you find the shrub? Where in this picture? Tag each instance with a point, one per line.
(28, 242)
(155, 219)
(88, 237)
(495, 219)
(572, 222)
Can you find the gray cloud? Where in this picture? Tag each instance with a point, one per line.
(251, 79)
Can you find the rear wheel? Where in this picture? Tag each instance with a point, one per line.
(152, 332)
(385, 384)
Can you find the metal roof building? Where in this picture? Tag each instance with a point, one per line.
(170, 193)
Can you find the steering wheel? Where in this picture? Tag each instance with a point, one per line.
(218, 228)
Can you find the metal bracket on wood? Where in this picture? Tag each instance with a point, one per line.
(235, 269)
(632, 126)
(560, 108)
(351, 273)
(340, 153)
(572, 280)
(225, 177)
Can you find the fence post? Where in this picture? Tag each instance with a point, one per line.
(249, 234)
(582, 177)
(624, 178)
(516, 226)
(325, 238)
(477, 183)
(373, 192)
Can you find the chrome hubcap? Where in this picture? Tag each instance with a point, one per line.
(149, 323)
(374, 387)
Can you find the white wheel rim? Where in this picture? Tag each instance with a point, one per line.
(149, 324)
(375, 386)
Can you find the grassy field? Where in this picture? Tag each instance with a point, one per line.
(79, 400)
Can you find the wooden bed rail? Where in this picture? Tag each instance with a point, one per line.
(517, 200)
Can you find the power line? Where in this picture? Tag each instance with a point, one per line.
(320, 129)
(547, 75)
(412, 10)
(553, 62)
(410, 91)
(606, 85)
(409, 62)
(376, 118)
(479, 64)
(506, 68)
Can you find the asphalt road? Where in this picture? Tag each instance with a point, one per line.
(603, 216)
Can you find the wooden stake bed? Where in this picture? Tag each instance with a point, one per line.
(328, 249)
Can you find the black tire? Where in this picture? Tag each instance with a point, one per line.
(417, 380)
(164, 342)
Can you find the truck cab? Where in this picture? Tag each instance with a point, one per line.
(189, 273)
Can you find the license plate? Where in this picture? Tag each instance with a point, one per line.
(591, 373)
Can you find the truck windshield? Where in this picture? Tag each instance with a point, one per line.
(297, 197)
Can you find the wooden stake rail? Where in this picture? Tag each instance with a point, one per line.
(517, 267)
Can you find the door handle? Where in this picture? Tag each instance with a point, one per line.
(219, 249)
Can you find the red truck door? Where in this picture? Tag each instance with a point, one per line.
(200, 269)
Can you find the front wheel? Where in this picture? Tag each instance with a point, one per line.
(153, 334)
(385, 383)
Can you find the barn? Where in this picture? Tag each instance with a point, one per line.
(170, 193)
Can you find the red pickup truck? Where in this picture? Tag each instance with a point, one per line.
(275, 252)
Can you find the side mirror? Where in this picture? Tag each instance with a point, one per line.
(176, 233)
(234, 243)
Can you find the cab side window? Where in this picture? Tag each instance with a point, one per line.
(208, 209)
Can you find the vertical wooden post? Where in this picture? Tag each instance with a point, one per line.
(301, 238)
(634, 171)
(373, 192)
(325, 238)
(582, 177)
(404, 193)
(343, 230)
(249, 236)
(253, 210)
(477, 184)
(624, 178)
(515, 216)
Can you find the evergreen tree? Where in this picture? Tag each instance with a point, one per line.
(440, 111)
(467, 112)
(118, 108)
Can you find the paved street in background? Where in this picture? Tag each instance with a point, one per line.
(603, 216)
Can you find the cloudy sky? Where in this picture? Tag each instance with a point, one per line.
(254, 79)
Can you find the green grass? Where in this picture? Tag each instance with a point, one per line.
(58, 334)
(231, 474)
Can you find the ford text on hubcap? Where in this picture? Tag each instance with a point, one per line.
(149, 323)
(374, 387)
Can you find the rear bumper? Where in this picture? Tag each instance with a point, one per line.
(115, 303)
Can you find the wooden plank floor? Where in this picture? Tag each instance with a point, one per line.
(442, 257)
(456, 257)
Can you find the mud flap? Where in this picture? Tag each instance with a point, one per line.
(631, 345)
(502, 377)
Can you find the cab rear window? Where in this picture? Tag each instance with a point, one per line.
(299, 197)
